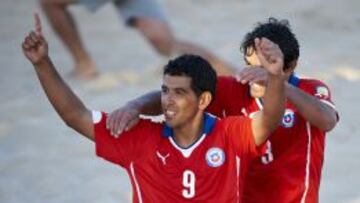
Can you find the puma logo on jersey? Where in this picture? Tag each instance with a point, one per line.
(162, 158)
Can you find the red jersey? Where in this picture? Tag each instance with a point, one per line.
(163, 172)
(290, 169)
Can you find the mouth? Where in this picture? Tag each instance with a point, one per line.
(169, 114)
(257, 90)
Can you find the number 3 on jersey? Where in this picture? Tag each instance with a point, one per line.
(189, 184)
(268, 156)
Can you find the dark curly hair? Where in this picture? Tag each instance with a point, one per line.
(279, 32)
(203, 77)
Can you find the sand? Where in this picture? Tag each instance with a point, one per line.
(41, 160)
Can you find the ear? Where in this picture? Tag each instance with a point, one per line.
(291, 68)
(204, 100)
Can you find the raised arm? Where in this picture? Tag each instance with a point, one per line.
(69, 107)
(271, 58)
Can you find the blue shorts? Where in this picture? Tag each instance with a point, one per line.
(129, 9)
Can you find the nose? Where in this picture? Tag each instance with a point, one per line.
(167, 99)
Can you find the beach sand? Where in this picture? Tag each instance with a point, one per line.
(42, 160)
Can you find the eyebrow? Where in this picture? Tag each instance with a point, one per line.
(181, 89)
(175, 88)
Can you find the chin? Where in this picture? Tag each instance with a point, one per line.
(257, 92)
(170, 123)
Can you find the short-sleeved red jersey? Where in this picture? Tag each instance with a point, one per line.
(290, 169)
(163, 172)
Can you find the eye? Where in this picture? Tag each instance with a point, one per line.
(180, 91)
(164, 89)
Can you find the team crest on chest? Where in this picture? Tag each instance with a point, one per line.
(215, 157)
(288, 118)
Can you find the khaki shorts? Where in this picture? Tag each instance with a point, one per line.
(129, 9)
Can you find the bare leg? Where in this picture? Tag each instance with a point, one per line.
(158, 33)
(63, 24)
(221, 67)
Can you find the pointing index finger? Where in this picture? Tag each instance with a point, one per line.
(38, 28)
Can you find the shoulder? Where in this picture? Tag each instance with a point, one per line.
(310, 83)
(232, 121)
(315, 87)
(148, 125)
(228, 82)
(144, 125)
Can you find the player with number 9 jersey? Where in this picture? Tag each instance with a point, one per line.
(162, 172)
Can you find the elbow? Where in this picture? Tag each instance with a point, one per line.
(329, 125)
(72, 119)
(328, 121)
(69, 121)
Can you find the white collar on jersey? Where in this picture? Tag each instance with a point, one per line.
(209, 123)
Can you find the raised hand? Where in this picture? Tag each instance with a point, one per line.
(35, 47)
(270, 56)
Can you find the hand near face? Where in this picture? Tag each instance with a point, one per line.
(251, 75)
(270, 56)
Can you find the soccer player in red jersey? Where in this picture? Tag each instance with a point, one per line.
(290, 169)
(192, 157)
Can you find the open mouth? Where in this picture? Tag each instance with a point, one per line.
(169, 114)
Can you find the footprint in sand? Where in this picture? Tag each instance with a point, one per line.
(348, 73)
(105, 81)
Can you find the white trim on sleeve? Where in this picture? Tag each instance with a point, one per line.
(96, 116)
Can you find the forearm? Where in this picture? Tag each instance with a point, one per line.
(312, 109)
(148, 104)
(65, 102)
(273, 110)
(274, 102)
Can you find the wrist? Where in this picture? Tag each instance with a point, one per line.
(42, 61)
(278, 77)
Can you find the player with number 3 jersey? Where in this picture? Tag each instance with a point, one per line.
(289, 171)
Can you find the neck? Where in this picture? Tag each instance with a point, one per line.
(188, 133)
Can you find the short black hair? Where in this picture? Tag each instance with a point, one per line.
(279, 32)
(203, 77)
